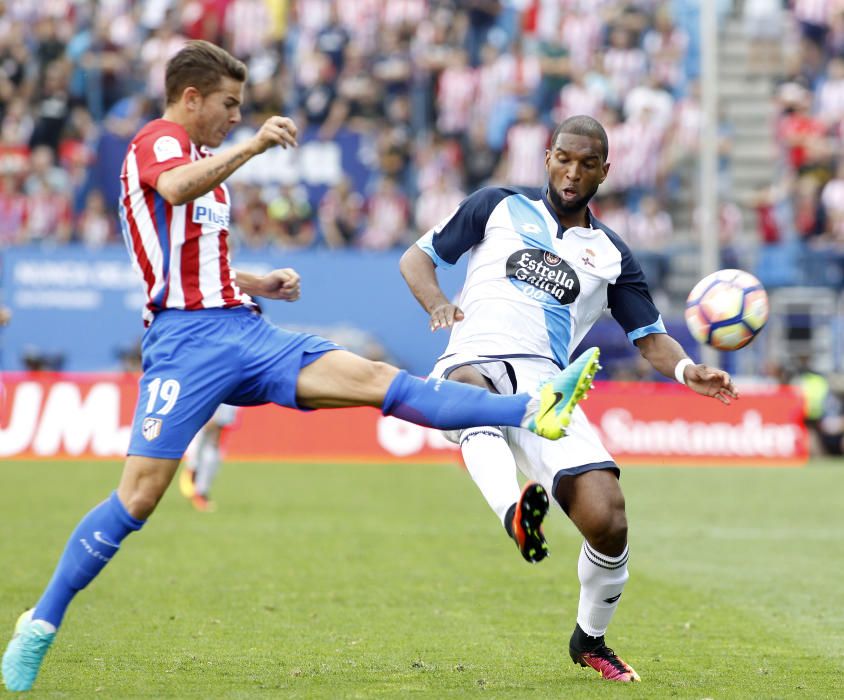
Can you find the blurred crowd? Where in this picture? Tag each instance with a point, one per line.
(430, 99)
(800, 215)
(408, 105)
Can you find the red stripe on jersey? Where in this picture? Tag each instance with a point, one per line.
(190, 264)
(226, 287)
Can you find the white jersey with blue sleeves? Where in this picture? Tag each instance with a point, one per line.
(532, 288)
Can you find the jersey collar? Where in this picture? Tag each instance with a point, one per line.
(560, 230)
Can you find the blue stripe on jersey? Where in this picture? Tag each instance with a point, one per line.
(124, 225)
(558, 321)
(164, 241)
(525, 214)
(529, 222)
(426, 243)
(656, 327)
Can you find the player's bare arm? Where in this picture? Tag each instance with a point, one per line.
(284, 284)
(187, 182)
(663, 352)
(420, 274)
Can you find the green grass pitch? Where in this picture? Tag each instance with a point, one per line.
(396, 581)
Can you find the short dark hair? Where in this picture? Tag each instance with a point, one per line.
(583, 125)
(200, 64)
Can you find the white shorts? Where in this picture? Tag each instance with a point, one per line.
(545, 461)
(224, 415)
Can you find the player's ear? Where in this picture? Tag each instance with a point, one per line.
(606, 169)
(547, 157)
(192, 98)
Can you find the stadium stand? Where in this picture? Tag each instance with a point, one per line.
(407, 105)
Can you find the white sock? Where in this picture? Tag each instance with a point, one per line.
(602, 580)
(192, 452)
(490, 462)
(207, 465)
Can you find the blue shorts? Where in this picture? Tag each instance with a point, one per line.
(195, 360)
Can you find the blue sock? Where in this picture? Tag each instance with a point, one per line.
(91, 546)
(439, 403)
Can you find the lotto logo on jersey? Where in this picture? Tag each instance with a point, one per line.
(543, 275)
(207, 211)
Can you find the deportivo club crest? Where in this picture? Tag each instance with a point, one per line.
(551, 259)
(543, 276)
(151, 428)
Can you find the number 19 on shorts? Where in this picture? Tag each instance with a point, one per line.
(166, 391)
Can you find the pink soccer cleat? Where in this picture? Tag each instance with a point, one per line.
(600, 657)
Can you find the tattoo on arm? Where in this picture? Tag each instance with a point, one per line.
(197, 186)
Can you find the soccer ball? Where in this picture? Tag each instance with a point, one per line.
(727, 309)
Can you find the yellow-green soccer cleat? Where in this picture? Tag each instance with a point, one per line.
(25, 652)
(558, 396)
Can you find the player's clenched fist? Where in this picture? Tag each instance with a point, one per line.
(281, 284)
(276, 131)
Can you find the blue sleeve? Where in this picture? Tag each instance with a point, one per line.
(449, 239)
(630, 300)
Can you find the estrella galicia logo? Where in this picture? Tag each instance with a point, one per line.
(542, 275)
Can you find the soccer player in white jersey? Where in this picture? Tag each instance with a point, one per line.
(205, 345)
(540, 272)
(203, 459)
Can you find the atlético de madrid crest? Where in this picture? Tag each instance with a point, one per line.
(151, 428)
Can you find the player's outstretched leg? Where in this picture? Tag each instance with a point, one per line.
(26, 651)
(559, 396)
(594, 653)
(524, 522)
(94, 543)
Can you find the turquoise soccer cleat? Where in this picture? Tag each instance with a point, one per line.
(559, 396)
(26, 651)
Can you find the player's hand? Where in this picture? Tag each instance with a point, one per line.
(711, 382)
(445, 316)
(276, 131)
(281, 284)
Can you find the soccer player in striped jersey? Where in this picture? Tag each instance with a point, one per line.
(541, 270)
(205, 345)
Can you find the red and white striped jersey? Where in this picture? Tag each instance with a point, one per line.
(581, 34)
(645, 139)
(456, 92)
(181, 252)
(525, 154)
(625, 69)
